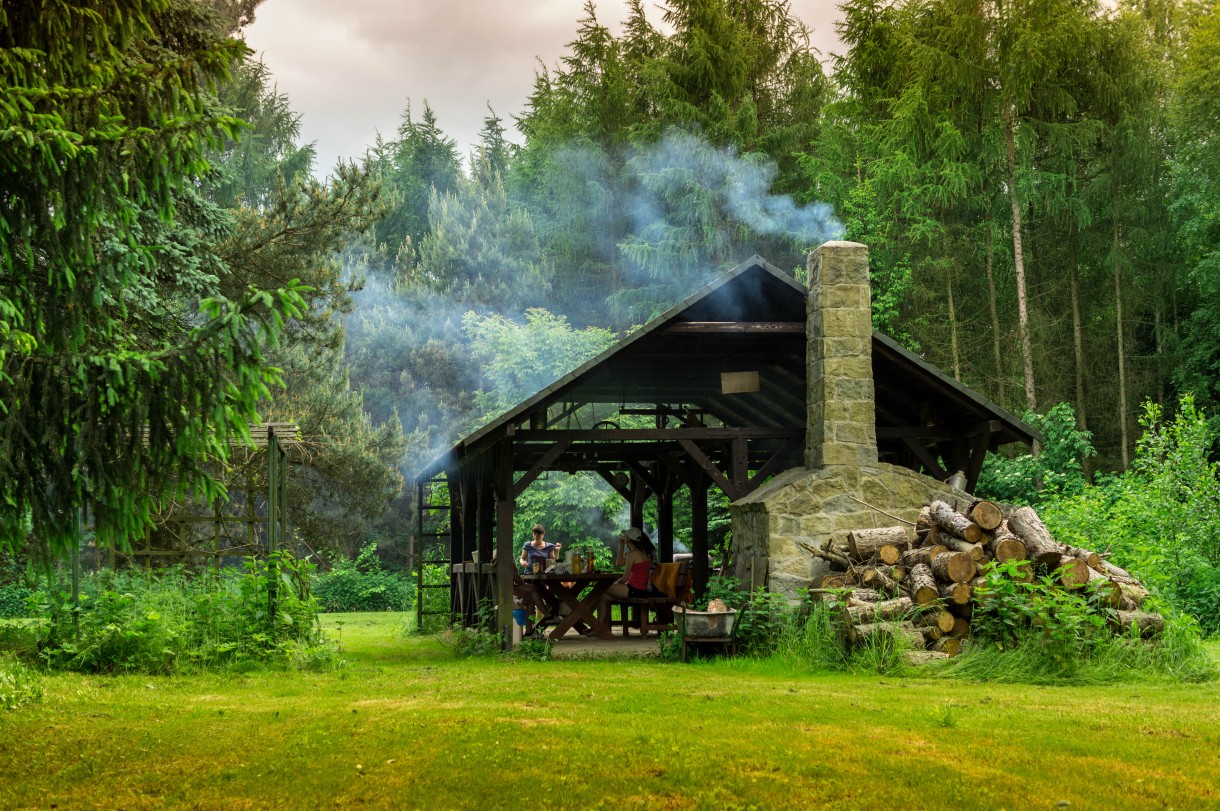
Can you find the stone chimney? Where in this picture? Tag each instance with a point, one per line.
(841, 425)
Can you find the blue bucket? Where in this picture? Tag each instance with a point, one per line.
(519, 616)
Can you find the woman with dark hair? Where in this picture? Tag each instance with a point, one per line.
(637, 556)
(538, 550)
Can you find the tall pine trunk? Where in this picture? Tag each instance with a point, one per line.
(1027, 350)
(1118, 320)
(1082, 422)
(995, 318)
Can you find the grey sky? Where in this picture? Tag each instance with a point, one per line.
(349, 68)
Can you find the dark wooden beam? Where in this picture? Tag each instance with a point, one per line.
(709, 468)
(930, 465)
(548, 458)
(974, 466)
(698, 535)
(655, 434)
(505, 559)
(736, 328)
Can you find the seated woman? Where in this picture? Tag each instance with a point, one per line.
(538, 550)
(637, 556)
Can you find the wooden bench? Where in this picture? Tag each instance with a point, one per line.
(636, 610)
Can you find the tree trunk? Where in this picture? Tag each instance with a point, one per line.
(953, 522)
(923, 585)
(1018, 255)
(1118, 323)
(1082, 423)
(955, 567)
(865, 543)
(995, 319)
(1042, 549)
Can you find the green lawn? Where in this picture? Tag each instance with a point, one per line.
(404, 726)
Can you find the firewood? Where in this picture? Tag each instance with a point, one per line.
(1132, 596)
(1039, 545)
(862, 596)
(958, 593)
(955, 567)
(923, 585)
(961, 628)
(951, 645)
(937, 617)
(1091, 558)
(1118, 574)
(1073, 572)
(964, 611)
(919, 658)
(925, 528)
(1109, 593)
(864, 543)
(956, 524)
(931, 633)
(986, 514)
(890, 554)
(872, 612)
(833, 581)
(830, 557)
(974, 550)
(1149, 624)
(864, 632)
(876, 579)
(1005, 546)
(898, 573)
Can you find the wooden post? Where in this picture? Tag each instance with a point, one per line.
(273, 522)
(456, 534)
(698, 533)
(639, 497)
(665, 523)
(505, 560)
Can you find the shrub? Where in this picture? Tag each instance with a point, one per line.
(363, 585)
(1031, 630)
(14, 600)
(175, 620)
(18, 684)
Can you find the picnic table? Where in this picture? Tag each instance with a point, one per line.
(556, 586)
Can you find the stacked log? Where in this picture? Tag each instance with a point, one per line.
(922, 588)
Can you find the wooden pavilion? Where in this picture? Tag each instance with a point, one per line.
(720, 379)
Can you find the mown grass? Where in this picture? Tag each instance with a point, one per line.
(403, 725)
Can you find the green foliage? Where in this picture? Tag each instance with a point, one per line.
(177, 621)
(533, 649)
(363, 585)
(1159, 520)
(15, 599)
(1055, 471)
(18, 684)
(463, 643)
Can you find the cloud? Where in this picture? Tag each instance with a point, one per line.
(350, 68)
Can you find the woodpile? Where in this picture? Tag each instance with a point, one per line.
(921, 586)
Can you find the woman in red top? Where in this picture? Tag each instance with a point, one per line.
(636, 555)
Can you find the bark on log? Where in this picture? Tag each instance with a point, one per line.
(886, 610)
(918, 658)
(974, 550)
(834, 581)
(925, 528)
(957, 593)
(961, 628)
(1091, 558)
(864, 543)
(949, 644)
(874, 578)
(859, 634)
(923, 585)
(986, 514)
(955, 567)
(1132, 596)
(1005, 547)
(1041, 547)
(1073, 573)
(1109, 593)
(1149, 624)
(937, 617)
(964, 611)
(954, 523)
(898, 573)
(931, 633)
(838, 561)
(1117, 573)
